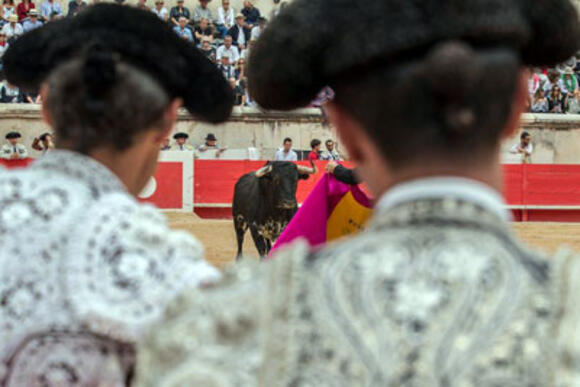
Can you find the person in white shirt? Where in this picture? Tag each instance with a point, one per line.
(160, 10)
(13, 150)
(524, 148)
(286, 153)
(13, 29)
(229, 49)
(257, 30)
(225, 18)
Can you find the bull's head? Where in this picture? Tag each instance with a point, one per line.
(282, 181)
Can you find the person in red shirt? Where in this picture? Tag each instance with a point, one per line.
(24, 8)
(315, 153)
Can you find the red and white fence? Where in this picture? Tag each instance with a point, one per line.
(533, 192)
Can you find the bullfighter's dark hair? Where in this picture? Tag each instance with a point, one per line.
(438, 76)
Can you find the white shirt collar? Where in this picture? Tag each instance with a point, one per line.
(445, 187)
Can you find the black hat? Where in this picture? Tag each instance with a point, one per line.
(11, 135)
(312, 43)
(137, 37)
(210, 137)
(180, 135)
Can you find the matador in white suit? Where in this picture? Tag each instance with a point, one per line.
(84, 267)
(437, 291)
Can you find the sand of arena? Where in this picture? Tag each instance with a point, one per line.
(219, 238)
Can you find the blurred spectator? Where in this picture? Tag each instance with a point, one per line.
(34, 98)
(207, 49)
(203, 30)
(239, 93)
(8, 9)
(13, 29)
(257, 30)
(225, 19)
(241, 69)
(179, 11)
(3, 44)
(166, 146)
(553, 78)
(180, 142)
(315, 152)
(568, 82)
(534, 84)
(330, 153)
(44, 143)
(10, 94)
(24, 8)
(183, 30)
(251, 13)
(245, 54)
(556, 100)
(75, 6)
(278, 6)
(32, 22)
(574, 103)
(202, 11)
(142, 4)
(539, 102)
(226, 68)
(524, 148)
(230, 50)
(160, 10)
(286, 153)
(13, 150)
(211, 144)
(239, 32)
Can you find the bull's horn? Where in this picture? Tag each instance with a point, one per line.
(306, 170)
(264, 171)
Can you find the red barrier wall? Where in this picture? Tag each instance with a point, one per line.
(15, 163)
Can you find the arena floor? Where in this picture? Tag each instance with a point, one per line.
(220, 242)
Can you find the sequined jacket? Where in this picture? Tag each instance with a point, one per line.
(434, 293)
(84, 270)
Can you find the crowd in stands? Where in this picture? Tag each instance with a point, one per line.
(555, 90)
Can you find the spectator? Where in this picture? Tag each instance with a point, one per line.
(203, 30)
(534, 83)
(257, 30)
(315, 152)
(179, 11)
(10, 94)
(251, 13)
(33, 98)
(160, 10)
(32, 22)
(240, 33)
(207, 49)
(3, 44)
(574, 103)
(75, 6)
(553, 78)
(211, 144)
(165, 146)
(44, 143)
(24, 8)
(142, 4)
(330, 153)
(225, 18)
(568, 82)
(202, 11)
(8, 9)
(524, 148)
(245, 54)
(226, 68)
(13, 150)
(241, 69)
(13, 29)
(556, 100)
(180, 142)
(183, 31)
(286, 153)
(229, 49)
(239, 93)
(539, 102)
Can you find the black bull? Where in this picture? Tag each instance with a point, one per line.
(265, 201)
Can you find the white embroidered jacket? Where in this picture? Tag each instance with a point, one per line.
(436, 292)
(84, 269)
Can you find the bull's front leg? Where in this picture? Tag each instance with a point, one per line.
(259, 241)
